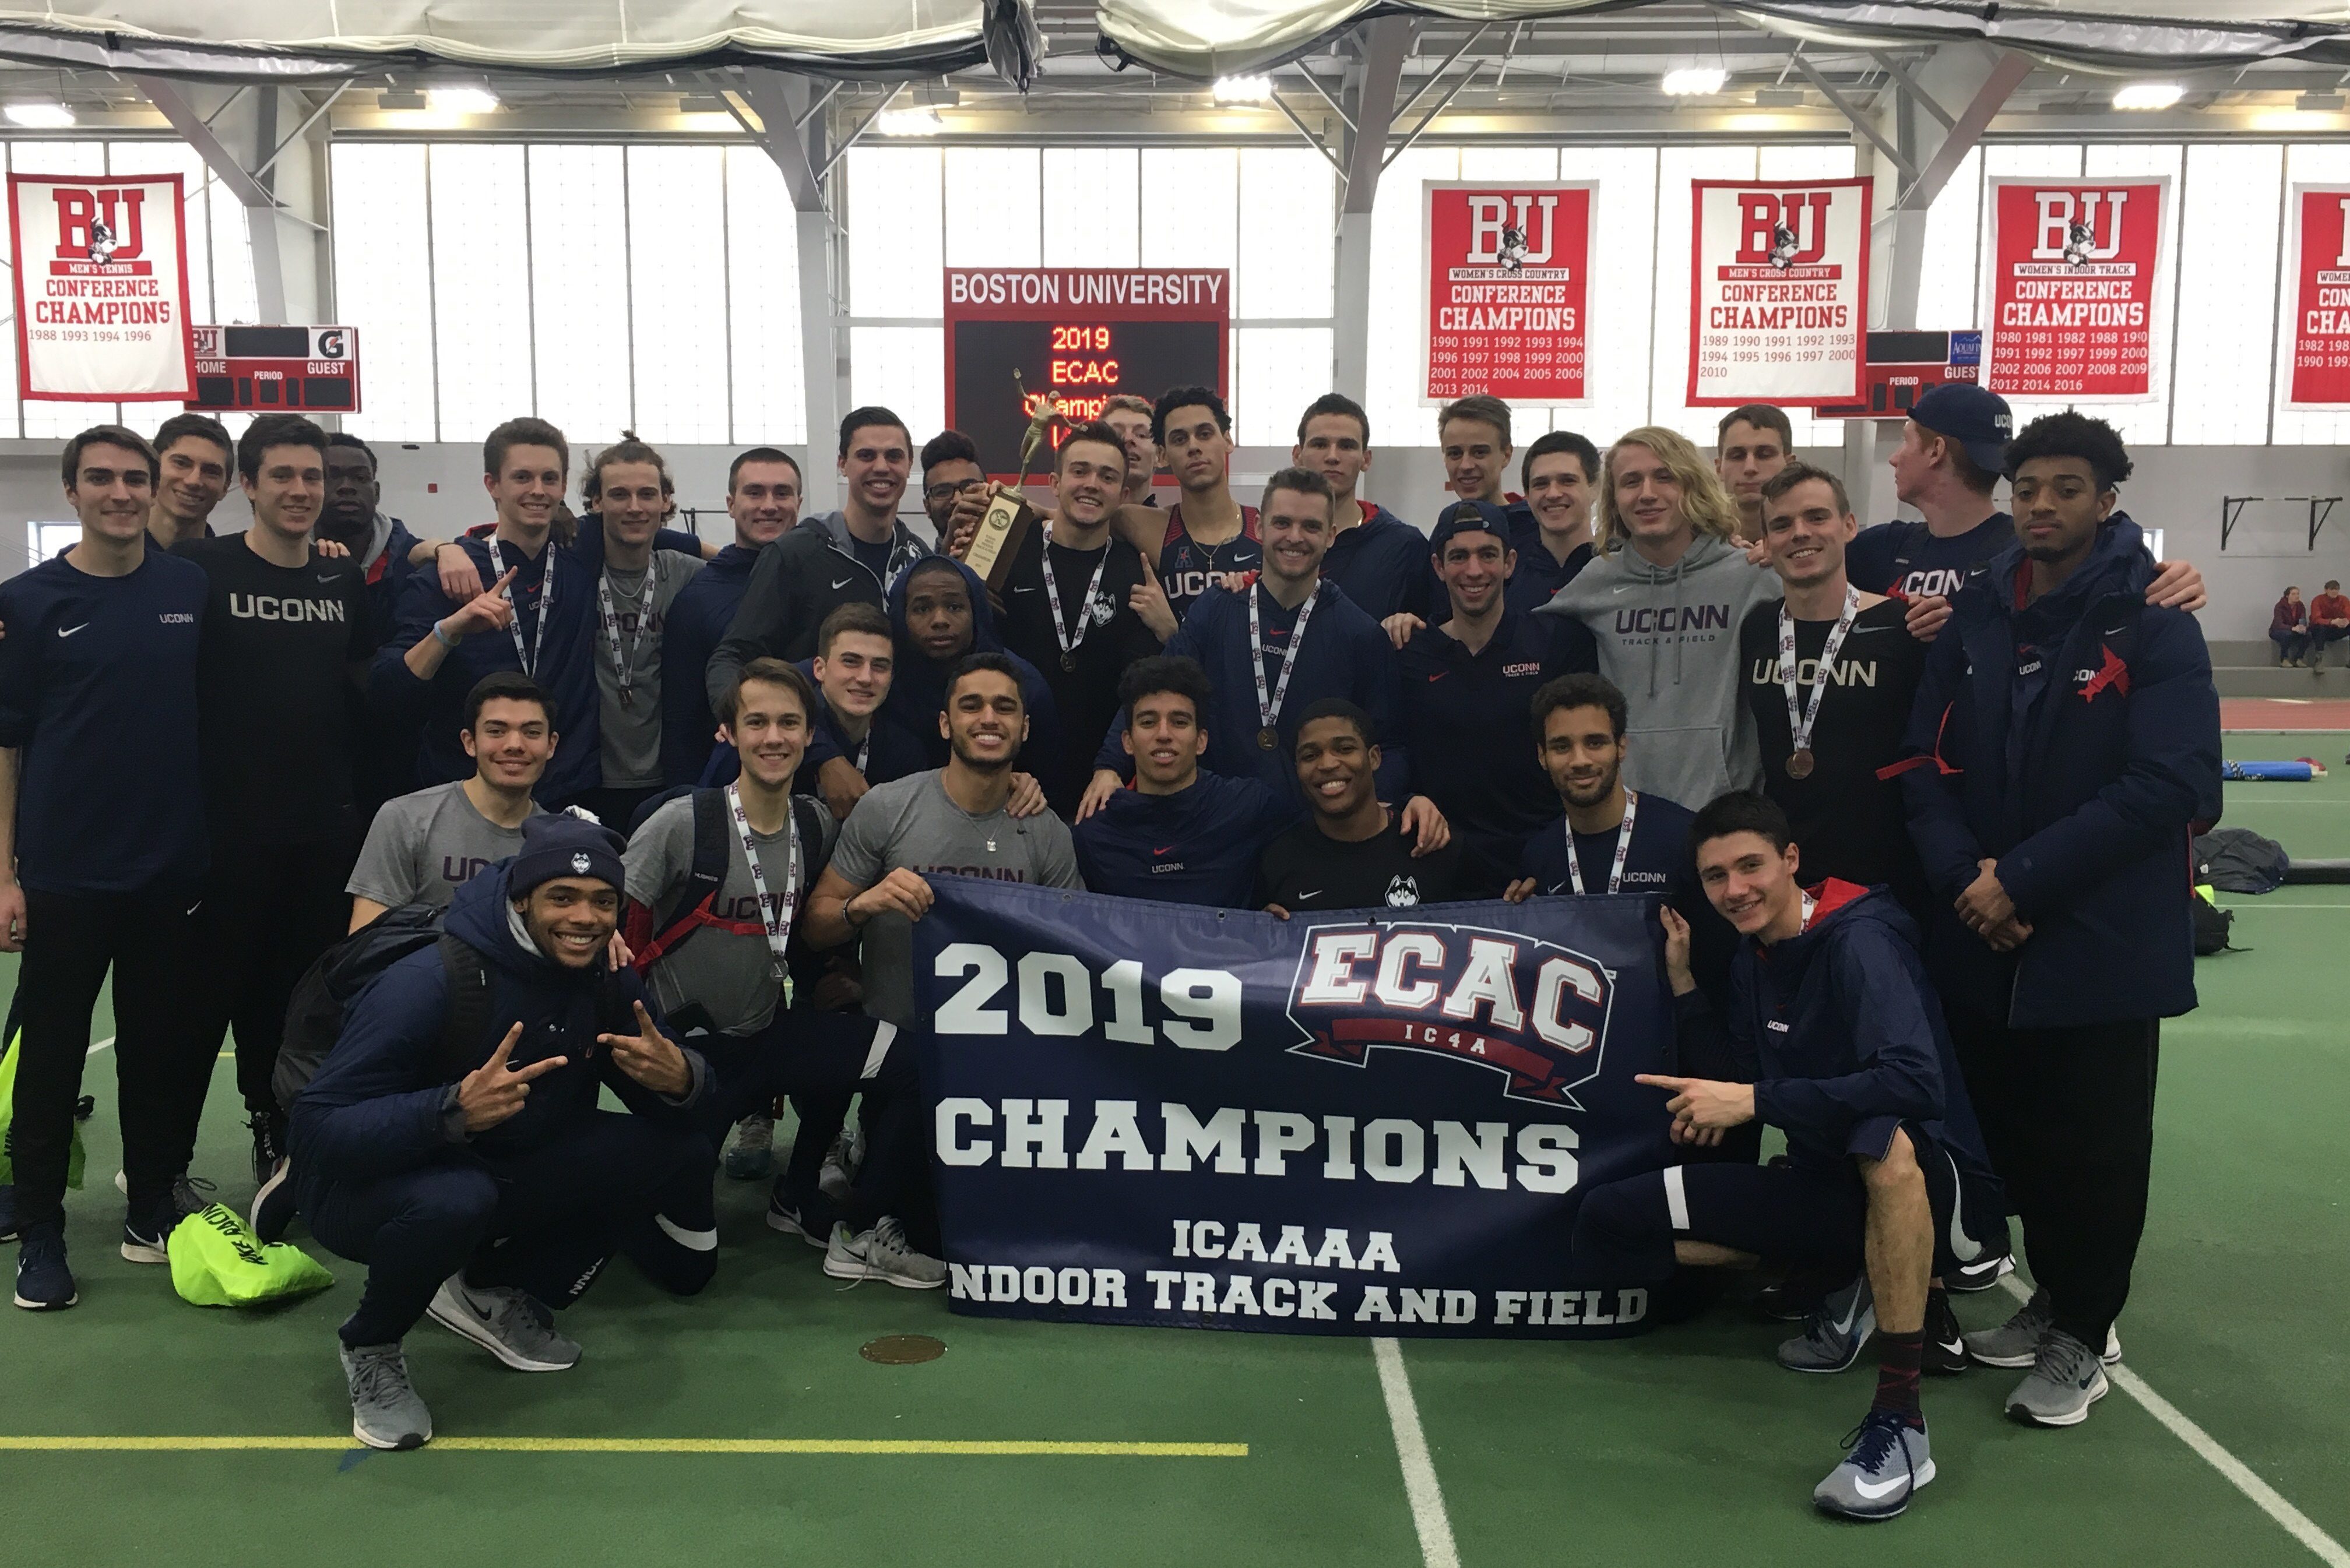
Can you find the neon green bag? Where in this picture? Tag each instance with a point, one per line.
(217, 1260)
(75, 1155)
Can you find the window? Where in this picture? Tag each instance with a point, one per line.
(2228, 236)
(580, 327)
(383, 232)
(1093, 207)
(763, 296)
(677, 290)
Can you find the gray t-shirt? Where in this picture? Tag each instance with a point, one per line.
(421, 845)
(912, 825)
(640, 602)
(729, 975)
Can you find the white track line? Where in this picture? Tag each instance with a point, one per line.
(2297, 1524)
(1427, 1516)
(102, 1045)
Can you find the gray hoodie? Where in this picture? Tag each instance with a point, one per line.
(1668, 637)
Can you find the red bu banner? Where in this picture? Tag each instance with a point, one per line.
(101, 285)
(2320, 333)
(1506, 281)
(1778, 291)
(2074, 265)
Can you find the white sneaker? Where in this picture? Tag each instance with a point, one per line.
(882, 1253)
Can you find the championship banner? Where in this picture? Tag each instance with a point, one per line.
(2320, 292)
(101, 276)
(1778, 292)
(2074, 265)
(1506, 279)
(1378, 1122)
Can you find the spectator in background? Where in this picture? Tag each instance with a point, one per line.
(2289, 628)
(2329, 621)
(1755, 442)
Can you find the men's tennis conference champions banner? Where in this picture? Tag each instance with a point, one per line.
(2074, 268)
(1506, 276)
(1370, 1123)
(1778, 291)
(101, 285)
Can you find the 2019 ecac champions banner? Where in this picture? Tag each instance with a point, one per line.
(1361, 1122)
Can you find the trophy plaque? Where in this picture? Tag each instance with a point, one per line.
(1003, 527)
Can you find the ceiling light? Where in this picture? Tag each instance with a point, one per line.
(2149, 95)
(2319, 102)
(1778, 97)
(462, 100)
(397, 100)
(700, 103)
(1243, 89)
(1695, 81)
(919, 121)
(39, 116)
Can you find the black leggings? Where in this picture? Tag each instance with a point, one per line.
(269, 911)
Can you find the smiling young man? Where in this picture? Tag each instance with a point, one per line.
(102, 850)
(477, 1179)
(2067, 738)
(1561, 476)
(849, 751)
(1832, 1035)
(1377, 557)
(635, 587)
(1351, 852)
(1751, 443)
(763, 501)
(194, 458)
(954, 484)
(279, 671)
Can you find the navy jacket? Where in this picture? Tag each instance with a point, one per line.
(1198, 846)
(382, 1103)
(1346, 655)
(795, 582)
(917, 687)
(698, 619)
(1382, 563)
(566, 668)
(2085, 796)
(1840, 1034)
(1541, 574)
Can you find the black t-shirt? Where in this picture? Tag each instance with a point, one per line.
(1305, 872)
(1114, 636)
(1848, 822)
(875, 557)
(276, 706)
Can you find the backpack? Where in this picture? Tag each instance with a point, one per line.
(314, 1017)
(2238, 860)
(2212, 924)
(713, 847)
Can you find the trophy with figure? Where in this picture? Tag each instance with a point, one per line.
(1003, 527)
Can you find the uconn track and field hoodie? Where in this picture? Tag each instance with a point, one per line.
(2076, 740)
(382, 1100)
(797, 581)
(1668, 637)
(917, 689)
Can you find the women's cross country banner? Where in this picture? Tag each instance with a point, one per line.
(1778, 291)
(101, 275)
(2317, 334)
(1506, 276)
(1375, 1122)
(2075, 267)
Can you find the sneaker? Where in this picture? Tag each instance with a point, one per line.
(841, 1161)
(811, 1220)
(2016, 1342)
(881, 1253)
(506, 1323)
(1834, 1331)
(44, 1283)
(1946, 1347)
(385, 1411)
(1792, 1298)
(190, 1194)
(2065, 1379)
(1979, 1275)
(148, 1239)
(1887, 1460)
(274, 1205)
(750, 1151)
(268, 1130)
(7, 1211)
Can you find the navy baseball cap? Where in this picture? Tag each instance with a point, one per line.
(1469, 517)
(1976, 419)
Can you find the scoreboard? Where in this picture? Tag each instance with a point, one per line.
(1082, 333)
(286, 369)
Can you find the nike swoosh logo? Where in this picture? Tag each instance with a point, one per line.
(1963, 1247)
(844, 582)
(1880, 1488)
(69, 630)
(1850, 1313)
(1865, 630)
(1438, 675)
(1027, 590)
(1627, 588)
(1167, 850)
(328, 577)
(1315, 894)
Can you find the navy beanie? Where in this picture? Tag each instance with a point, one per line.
(562, 844)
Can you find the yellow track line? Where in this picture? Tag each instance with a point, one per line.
(977, 1449)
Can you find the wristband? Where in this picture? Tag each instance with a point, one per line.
(442, 638)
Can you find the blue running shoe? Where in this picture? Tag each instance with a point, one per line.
(1887, 1460)
(44, 1283)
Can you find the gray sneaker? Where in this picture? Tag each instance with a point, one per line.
(2016, 1342)
(385, 1411)
(506, 1323)
(1833, 1331)
(841, 1161)
(882, 1253)
(750, 1151)
(2066, 1379)
(1889, 1461)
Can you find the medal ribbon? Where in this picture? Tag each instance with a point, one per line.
(623, 658)
(1623, 848)
(528, 656)
(1268, 709)
(1071, 643)
(776, 917)
(1800, 721)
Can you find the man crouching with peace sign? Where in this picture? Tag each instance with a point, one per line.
(452, 1140)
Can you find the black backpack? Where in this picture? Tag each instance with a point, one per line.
(2238, 860)
(2212, 924)
(713, 847)
(314, 1017)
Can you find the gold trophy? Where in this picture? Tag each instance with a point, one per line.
(1003, 527)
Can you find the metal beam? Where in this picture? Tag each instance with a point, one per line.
(1860, 122)
(1312, 140)
(765, 107)
(2006, 73)
(857, 134)
(1917, 95)
(172, 104)
(1373, 80)
(317, 114)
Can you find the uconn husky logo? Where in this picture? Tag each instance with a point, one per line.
(1531, 1010)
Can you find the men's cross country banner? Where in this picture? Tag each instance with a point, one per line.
(102, 272)
(1506, 278)
(1778, 291)
(2075, 267)
(2317, 339)
(1376, 1122)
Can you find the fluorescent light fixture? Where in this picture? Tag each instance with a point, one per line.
(1695, 81)
(1778, 97)
(39, 116)
(462, 100)
(400, 99)
(921, 120)
(2149, 95)
(1243, 89)
(2319, 103)
(700, 103)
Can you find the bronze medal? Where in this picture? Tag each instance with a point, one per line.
(1799, 765)
(1268, 738)
(1069, 659)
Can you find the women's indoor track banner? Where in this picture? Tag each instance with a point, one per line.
(101, 271)
(1778, 291)
(1370, 1123)
(2317, 341)
(2074, 270)
(1506, 278)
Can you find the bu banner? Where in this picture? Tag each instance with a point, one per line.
(1506, 279)
(101, 271)
(1778, 291)
(2074, 270)
(2318, 338)
(1376, 1122)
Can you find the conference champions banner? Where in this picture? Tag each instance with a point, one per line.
(2317, 340)
(2075, 265)
(1778, 291)
(1506, 276)
(1373, 1122)
(102, 280)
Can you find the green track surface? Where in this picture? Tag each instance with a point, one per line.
(1688, 1443)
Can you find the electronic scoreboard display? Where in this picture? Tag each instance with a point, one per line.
(1081, 334)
